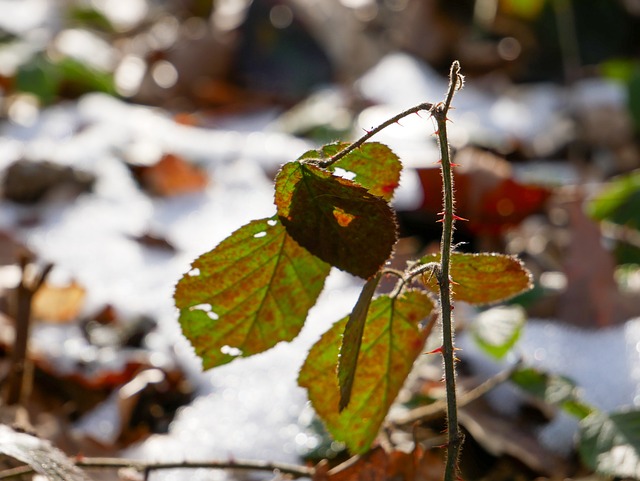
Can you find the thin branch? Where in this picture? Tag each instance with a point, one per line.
(292, 470)
(439, 408)
(425, 106)
(16, 381)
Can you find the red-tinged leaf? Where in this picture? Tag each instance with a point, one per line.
(40, 455)
(486, 193)
(171, 176)
(352, 340)
(335, 219)
(393, 338)
(373, 165)
(249, 293)
(482, 278)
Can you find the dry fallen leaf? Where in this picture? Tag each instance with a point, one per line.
(381, 465)
(58, 304)
(172, 175)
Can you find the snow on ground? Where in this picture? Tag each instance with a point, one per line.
(250, 407)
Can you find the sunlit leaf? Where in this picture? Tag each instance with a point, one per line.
(335, 219)
(553, 389)
(393, 338)
(249, 293)
(498, 329)
(352, 340)
(373, 165)
(40, 455)
(610, 443)
(482, 278)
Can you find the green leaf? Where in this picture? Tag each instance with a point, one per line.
(40, 455)
(610, 443)
(482, 278)
(498, 329)
(249, 293)
(393, 338)
(373, 165)
(553, 389)
(335, 219)
(352, 340)
(40, 78)
(619, 201)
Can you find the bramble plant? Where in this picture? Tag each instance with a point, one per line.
(256, 287)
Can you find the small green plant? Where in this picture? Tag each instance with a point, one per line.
(255, 288)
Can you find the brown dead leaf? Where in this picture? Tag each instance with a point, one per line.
(381, 465)
(171, 176)
(58, 304)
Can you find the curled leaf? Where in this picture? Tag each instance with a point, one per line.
(352, 340)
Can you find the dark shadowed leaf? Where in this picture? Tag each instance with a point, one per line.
(374, 166)
(393, 338)
(40, 455)
(482, 278)
(610, 443)
(249, 293)
(352, 340)
(497, 330)
(335, 219)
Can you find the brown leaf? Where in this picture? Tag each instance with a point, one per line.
(58, 304)
(590, 298)
(171, 176)
(381, 465)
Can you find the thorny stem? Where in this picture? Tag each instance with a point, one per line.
(443, 276)
(426, 106)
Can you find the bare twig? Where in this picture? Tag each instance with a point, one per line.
(16, 385)
(292, 470)
(439, 408)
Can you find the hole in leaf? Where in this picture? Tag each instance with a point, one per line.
(272, 222)
(343, 218)
(213, 315)
(231, 351)
(194, 272)
(201, 307)
(260, 234)
(345, 174)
